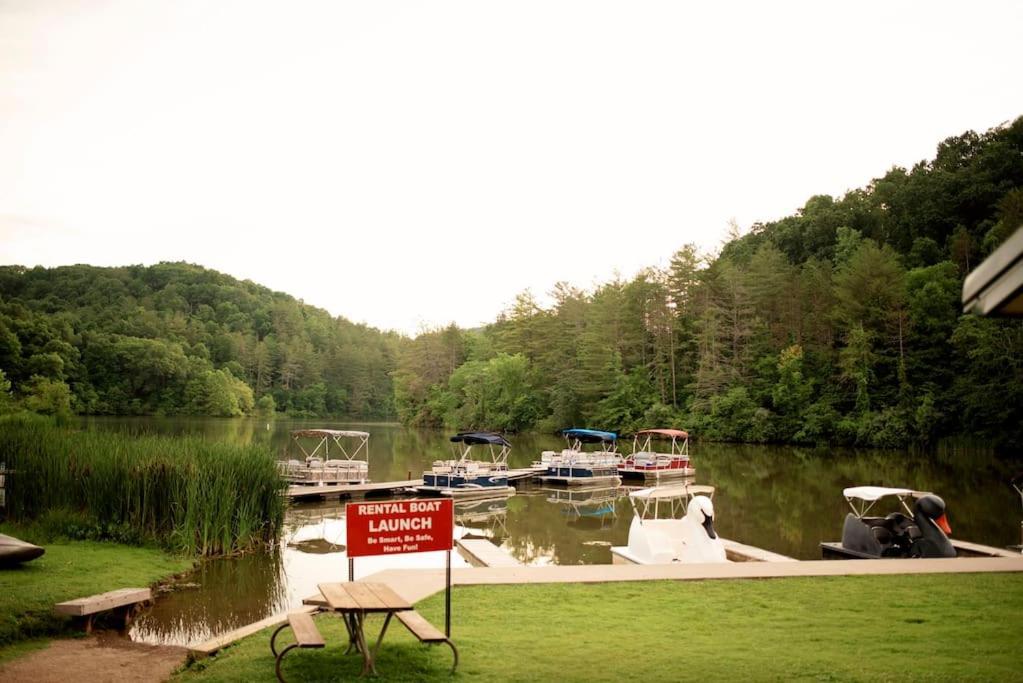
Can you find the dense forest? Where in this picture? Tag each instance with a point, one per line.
(839, 324)
(175, 338)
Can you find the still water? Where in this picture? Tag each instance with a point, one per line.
(780, 498)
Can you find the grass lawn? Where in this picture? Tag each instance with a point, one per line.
(68, 570)
(920, 628)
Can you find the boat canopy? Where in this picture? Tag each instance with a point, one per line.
(663, 492)
(649, 503)
(664, 433)
(872, 493)
(590, 435)
(320, 433)
(862, 498)
(480, 438)
(324, 438)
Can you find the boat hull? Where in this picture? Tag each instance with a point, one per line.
(14, 551)
(466, 493)
(656, 475)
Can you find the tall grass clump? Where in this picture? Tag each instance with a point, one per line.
(184, 493)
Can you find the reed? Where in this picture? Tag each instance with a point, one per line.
(185, 493)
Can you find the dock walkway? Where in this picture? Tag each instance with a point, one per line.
(350, 490)
(417, 584)
(481, 552)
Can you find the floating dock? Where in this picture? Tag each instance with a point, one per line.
(351, 490)
(524, 474)
(481, 552)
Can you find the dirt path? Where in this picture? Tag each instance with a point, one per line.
(100, 658)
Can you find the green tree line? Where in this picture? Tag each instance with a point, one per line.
(838, 324)
(176, 338)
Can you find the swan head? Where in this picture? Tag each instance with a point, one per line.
(701, 510)
(932, 507)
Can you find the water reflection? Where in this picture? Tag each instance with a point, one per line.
(783, 499)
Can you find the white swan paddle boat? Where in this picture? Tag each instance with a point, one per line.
(349, 464)
(660, 534)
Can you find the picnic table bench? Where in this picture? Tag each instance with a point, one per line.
(127, 599)
(353, 601)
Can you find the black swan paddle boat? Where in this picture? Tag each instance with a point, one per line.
(923, 532)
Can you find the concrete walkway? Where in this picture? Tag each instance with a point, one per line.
(417, 584)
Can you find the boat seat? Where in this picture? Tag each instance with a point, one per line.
(882, 535)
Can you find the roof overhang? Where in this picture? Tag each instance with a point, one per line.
(995, 287)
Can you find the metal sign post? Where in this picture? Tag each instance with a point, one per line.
(399, 527)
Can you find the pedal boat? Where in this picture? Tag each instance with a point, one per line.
(14, 551)
(574, 466)
(465, 476)
(661, 534)
(318, 468)
(920, 531)
(647, 463)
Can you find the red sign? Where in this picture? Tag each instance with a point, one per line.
(399, 526)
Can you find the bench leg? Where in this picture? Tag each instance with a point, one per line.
(273, 638)
(454, 650)
(280, 657)
(380, 638)
(88, 624)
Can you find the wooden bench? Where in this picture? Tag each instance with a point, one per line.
(306, 636)
(426, 632)
(127, 598)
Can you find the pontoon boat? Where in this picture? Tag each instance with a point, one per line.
(466, 477)
(574, 466)
(660, 534)
(319, 467)
(647, 463)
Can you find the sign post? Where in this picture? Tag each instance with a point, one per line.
(402, 526)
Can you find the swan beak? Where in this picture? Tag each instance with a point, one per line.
(942, 523)
(708, 524)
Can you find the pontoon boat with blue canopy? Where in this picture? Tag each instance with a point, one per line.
(574, 466)
(465, 476)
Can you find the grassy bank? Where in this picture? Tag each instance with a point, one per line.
(68, 570)
(185, 493)
(935, 627)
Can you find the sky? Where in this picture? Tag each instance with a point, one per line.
(413, 164)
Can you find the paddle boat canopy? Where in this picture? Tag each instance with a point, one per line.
(650, 460)
(917, 531)
(465, 475)
(575, 466)
(331, 456)
(672, 523)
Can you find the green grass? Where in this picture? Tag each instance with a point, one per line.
(68, 570)
(185, 493)
(905, 628)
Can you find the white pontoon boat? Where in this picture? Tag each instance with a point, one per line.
(332, 456)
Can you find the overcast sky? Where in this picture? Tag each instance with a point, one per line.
(410, 164)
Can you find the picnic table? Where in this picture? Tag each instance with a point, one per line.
(353, 601)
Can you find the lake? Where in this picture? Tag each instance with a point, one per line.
(781, 498)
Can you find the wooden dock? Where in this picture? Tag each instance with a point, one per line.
(523, 474)
(740, 552)
(480, 552)
(350, 490)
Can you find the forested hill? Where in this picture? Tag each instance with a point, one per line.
(838, 324)
(178, 338)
